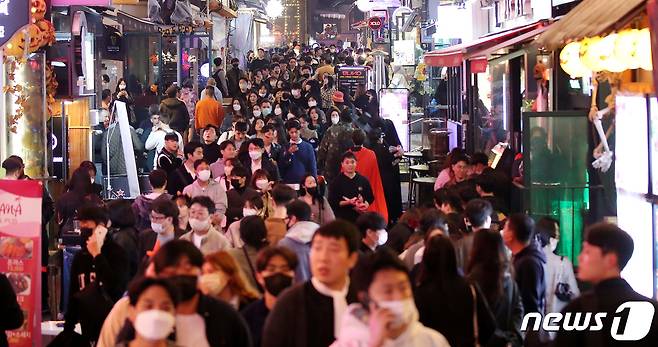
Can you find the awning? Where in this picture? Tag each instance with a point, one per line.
(479, 49)
(591, 18)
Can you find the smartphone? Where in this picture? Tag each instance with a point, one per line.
(100, 232)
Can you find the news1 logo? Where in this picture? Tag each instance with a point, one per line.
(629, 323)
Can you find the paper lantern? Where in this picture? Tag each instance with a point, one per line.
(606, 48)
(626, 48)
(591, 53)
(37, 10)
(644, 49)
(570, 60)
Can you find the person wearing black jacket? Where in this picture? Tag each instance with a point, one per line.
(309, 313)
(238, 194)
(210, 146)
(185, 174)
(167, 159)
(123, 231)
(528, 261)
(487, 267)
(173, 111)
(446, 302)
(11, 315)
(606, 251)
(99, 274)
(258, 159)
(350, 193)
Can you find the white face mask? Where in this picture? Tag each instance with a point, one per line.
(256, 113)
(262, 184)
(212, 283)
(237, 107)
(200, 225)
(204, 175)
(122, 86)
(262, 95)
(382, 237)
(157, 227)
(312, 103)
(405, 311)
(154, 325)
(277, 111)
(335, 119)
(296, 93)
(255, 155)
(249, 212)
(553, 243)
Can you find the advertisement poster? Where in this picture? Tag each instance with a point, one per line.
(393, 106)
(404, 52)
(351, 76)
(20, 254)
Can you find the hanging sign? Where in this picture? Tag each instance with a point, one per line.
(375, 23)
(20, 254)
(14, 14)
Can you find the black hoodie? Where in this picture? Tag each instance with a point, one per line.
(529, 275)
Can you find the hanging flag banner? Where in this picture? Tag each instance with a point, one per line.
(20, 254)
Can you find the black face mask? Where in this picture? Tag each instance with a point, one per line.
(85, 234)
(186, 286)
(236, 65)
(312, 191)
(306, 75)
(275, 284)
(235, 183)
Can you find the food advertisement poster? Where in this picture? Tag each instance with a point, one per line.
(20, 254)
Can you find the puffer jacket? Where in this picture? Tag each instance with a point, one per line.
(174, 112)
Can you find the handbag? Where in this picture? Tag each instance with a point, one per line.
(562, 289)
(476, 332)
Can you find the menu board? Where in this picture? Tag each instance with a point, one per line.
(20, 254)
(393, 105)
(350, 77)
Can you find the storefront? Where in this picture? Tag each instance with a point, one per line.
(611, 52)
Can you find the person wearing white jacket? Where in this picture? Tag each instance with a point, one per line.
(156, 139)
(387, 316)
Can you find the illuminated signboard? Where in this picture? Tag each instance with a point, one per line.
(14, 14)
(351, 76)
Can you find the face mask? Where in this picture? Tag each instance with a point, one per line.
(312, 191)
(277, 111)
(235, 65)
(262, 95)
(273, 84)
(255, 155)
(306, 75)
(204, 175)
(275, 284)
(404, 310)
(553, 244)
(237, 107)
(249, 212)
(335, 119)
(157, 227)
(312, 103)
(291, 116)
(262, 184)
(256, 113)
(154, 325)
(199, 225)
(382, 237)
(186, 285)
(235, 183)
(243, 86)
(266, 111)
(122, 86)
(296, 93)
(213, 283)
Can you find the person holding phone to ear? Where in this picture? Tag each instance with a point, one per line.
(387, 314)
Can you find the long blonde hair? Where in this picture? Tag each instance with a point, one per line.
(222, 260)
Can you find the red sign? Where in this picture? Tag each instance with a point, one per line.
(375, 23)
(20, 254)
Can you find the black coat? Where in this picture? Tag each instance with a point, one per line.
(529, 275)
(267, 165)
(448, 309)
(606, 297)
(235, 202)
(302, 317)
(178, 180)
(174, 112)
(398, 236)
(11, 315)
(211, 152)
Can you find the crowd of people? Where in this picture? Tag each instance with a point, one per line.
(280, 223)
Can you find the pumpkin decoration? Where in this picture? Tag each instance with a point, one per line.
(13, 47)
(37, 10)
(47, 32)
